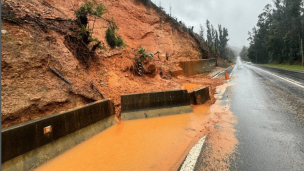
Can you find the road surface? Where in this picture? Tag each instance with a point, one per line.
(269, 106)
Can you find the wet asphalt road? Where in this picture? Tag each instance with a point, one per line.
(297, 76)
(270, 113)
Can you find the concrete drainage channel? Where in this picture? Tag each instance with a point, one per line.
(155, 104)
(29, 145)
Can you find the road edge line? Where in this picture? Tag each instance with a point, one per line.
(286, 79)
(287, 69)
(217, 74)
(191, 158)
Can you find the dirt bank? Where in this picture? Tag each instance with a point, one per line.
(37, 40)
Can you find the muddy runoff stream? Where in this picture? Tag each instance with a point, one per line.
(145, 144)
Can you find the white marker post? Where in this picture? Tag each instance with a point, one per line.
(302, 52)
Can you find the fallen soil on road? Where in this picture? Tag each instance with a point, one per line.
(221, 141)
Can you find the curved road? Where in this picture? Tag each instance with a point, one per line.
(269, 105)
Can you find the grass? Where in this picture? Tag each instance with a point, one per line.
(295, 67)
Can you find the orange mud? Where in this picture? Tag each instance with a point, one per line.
(144, 144)
(190, 87)
(157, 143)
(222, 140)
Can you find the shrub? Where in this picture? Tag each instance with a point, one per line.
(89, 8)
(142, 54)
(110, 37)
(85, 50)
(145, 2)
(113, 39)
(119, 41)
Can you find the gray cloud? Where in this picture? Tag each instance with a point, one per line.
(238, 16)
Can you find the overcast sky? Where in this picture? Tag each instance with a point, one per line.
(238, 16)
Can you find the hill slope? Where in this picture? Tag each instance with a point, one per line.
(38, 39)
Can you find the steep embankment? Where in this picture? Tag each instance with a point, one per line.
(37, 39)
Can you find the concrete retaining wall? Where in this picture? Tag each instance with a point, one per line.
(197, 67)
(200, 96)
(135, 106)
(25, 146)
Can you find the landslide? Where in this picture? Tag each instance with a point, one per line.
(38, 39)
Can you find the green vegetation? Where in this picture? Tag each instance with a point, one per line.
(11, 19)
(296, 67)
(82, 13)
(142, 54)
(145, 2)
(113, 39)
(277, 37)
(89, 8)
(85, 47)
(85, 43)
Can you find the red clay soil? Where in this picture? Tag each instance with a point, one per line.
(220, 130)
(30, 90)
(222, 141)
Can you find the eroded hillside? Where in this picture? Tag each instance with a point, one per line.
(37, 40)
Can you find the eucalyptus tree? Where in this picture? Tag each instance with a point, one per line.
(278, 33)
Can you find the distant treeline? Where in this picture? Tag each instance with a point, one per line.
(277, 37)
(244, 53)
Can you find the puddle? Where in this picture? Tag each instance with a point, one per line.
(190, 87)
(144, 144)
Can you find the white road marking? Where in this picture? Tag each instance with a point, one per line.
(218, 74)
(283, 78)
(193, 155)
(232, 71)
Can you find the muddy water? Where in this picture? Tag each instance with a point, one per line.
(190, 87)
(144, 144)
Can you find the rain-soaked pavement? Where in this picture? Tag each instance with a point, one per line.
(270, 127)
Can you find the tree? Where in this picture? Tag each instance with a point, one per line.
(209, 34)
(218, 40)
(279, 30)
(213, 36)
(244, 52)
(160, 7)
(223, 40)
(202, 32)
